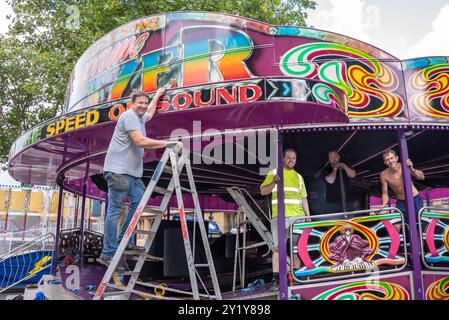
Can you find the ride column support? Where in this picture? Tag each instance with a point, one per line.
(83, 210)
(58, 228)
(282, 250)
(413, 231)
(7, 207)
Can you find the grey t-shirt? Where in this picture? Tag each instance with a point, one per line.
(123, 155)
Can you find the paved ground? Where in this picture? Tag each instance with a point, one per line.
(9, 296)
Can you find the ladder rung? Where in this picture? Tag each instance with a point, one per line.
(114, 293)
(161, 190)
(153, 211)
(149, 257)
(134, 252)
(148, 232)
(202, 265)
(167, 169)
(130, 273)
(186, 190)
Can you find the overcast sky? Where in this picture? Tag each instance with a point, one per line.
(403, 28)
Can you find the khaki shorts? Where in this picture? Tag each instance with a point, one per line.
(274, 228)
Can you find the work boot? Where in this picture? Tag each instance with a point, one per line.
(106, 262)
(274, 285)
(122, 266)
(132, 247)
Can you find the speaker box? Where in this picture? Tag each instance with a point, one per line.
(175, 261)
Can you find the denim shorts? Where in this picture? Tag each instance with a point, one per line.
(417, 202)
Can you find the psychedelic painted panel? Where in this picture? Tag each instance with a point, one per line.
(435, 239)
(427, 81)
(391, 287)
(436, 286)
(337, 248)
(373, 86)
(365, 291)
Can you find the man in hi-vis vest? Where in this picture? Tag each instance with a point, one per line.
(295, 204)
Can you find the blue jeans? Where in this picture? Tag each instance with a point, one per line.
(119, 186)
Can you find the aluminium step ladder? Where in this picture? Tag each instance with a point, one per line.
(177, 163)
(253, 218)
(238, 196)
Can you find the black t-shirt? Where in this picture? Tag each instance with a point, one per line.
(333, 190)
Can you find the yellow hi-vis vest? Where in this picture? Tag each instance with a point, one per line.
(294, 192)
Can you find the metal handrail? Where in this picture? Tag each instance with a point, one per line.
(346, 215)
(240, 251)
(29, 271)
(24, 246)
(9, 237)
(240, 191)
(421, 238)
(254, 201)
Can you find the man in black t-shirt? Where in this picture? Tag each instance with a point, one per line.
(337, 177)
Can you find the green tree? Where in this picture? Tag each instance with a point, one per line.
(47, 37)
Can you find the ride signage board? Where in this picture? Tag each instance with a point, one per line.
(251, 91)
(186, 49)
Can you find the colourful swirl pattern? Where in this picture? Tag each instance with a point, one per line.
(369, 83)
(365, 290)
(438, 290)
(326, 95)
(446, 238)
(431, 85)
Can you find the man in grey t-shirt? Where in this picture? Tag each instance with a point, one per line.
(123, 168)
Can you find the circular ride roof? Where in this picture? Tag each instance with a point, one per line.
(229, 73)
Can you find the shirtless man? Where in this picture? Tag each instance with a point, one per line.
(392, 177)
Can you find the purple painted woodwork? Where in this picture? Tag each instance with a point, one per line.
(412, 218)
(428, 195)
(58, 230)
(283, 293)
